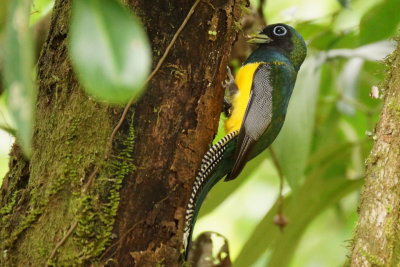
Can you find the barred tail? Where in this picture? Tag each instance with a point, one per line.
(211, 171)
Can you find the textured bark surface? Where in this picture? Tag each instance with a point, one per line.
(132, 212)
(376, 241)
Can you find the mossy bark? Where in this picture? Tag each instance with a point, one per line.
(53, 212)
(377, 236)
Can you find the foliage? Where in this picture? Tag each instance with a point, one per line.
(109, 50)
(18, 65)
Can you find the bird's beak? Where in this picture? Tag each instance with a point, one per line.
(259, 39)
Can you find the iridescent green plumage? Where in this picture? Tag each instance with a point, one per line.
(279, 56)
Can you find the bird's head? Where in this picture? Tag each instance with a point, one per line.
(284, 38)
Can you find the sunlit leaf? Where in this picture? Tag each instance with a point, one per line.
(109, 50)
(222, 190)
(39, 9)
(293, 143)
(380, 22)
(348, 83)
(373, 52)
(18, 69)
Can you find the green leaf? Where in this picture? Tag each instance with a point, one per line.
(293, 143)
(18, 68)
(348, 84)
(39, 9)
(344, 3)
(380, 22)
(315, 195)
(109, 50)
(373, 52)
(8, 129)
(331, 191)
(222, 190)
(3, 11)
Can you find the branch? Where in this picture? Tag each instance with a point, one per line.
(377, 233)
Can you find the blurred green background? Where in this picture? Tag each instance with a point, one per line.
(322, 148)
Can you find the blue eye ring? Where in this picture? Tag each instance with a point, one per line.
(279, 31)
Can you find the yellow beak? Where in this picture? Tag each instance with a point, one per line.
(259, 39)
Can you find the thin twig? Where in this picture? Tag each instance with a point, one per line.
(62, 241)
(90, 180)
(121, 120)
(133, 226)
(121, 238)
(178, 32)
(9, 130)
(280, 220)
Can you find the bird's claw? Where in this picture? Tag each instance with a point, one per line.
(230, 90)
(230, 79)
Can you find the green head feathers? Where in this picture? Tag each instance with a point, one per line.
(285, 39)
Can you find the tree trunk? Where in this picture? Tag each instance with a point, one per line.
(69, 205)
(376, 241)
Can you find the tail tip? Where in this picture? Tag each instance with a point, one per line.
(230, 177)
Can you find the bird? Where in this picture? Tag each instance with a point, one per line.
(259, 100)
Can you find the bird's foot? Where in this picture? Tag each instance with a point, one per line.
(230, 90)
(230, 79)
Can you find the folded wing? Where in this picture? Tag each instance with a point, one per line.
(256, 120)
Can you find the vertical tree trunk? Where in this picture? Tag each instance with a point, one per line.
(376, 241)
(69, 205)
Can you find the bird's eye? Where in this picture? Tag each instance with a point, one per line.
(279, 31)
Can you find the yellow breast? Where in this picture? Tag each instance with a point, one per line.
(243, 80)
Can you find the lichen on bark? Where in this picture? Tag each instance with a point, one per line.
(377, 236)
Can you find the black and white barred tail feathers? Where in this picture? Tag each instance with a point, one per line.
(208, 165)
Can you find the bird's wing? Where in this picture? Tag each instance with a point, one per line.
(256, 119)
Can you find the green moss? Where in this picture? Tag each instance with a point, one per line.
(96, 216)
(396, 256)
(10, 205)
(390, 234)
(373, 259)
(393, 108)
(237, 26)
(27, 221)
(43, 201)
(246, 10)
(38, 200)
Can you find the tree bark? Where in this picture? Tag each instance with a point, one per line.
(376, 241)
(69, 205)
